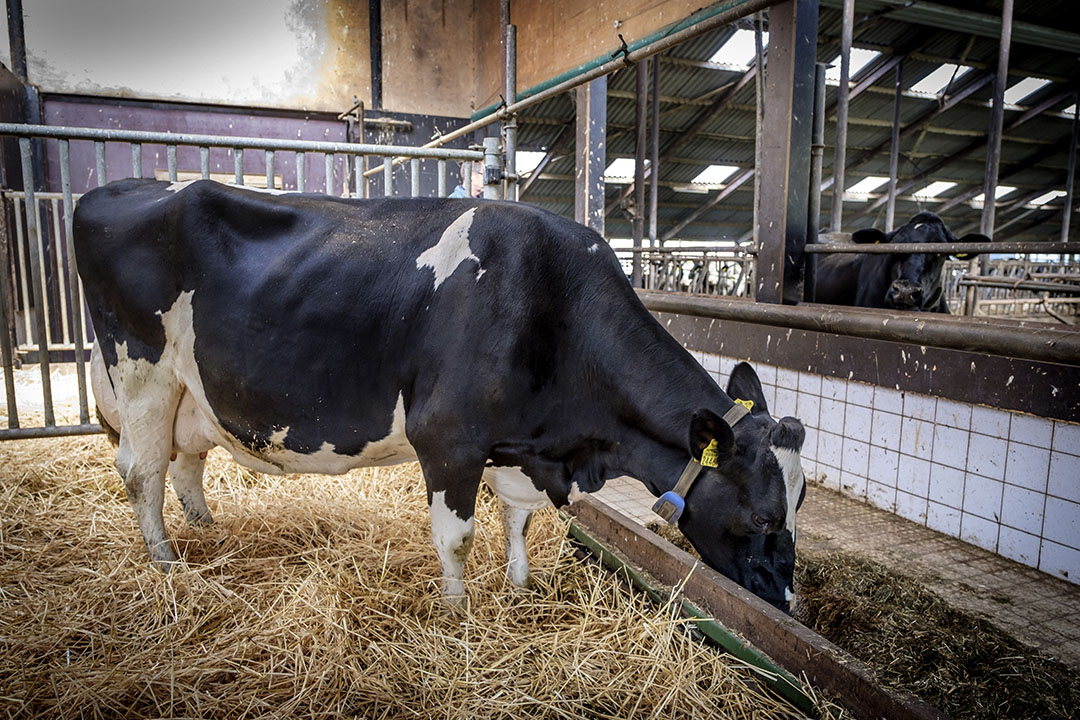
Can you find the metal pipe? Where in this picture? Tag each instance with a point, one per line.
(204, 162)
(388, 177)
(57, 261)
(1030, 285)
(270, 180)
(301, 172)
(492, 163)
(1048, 248)
(328, 171)
(136, 160)
(641, 113)
(77, 310)
(759, 120)
(17, 39)
(375, 45)
(1024, 340)
(510, 179)
(33, 232)
(842, 100)
(20, 258)
(238, 165)
(49, 432)
(654, 152)
(99, 159)
(414, 177)
(997, 117)
(170, 154)
(894, 150)
(441, 190)
(1067, 211)
(817, 152)
(7, 317)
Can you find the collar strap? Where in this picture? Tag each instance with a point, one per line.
(671, 504)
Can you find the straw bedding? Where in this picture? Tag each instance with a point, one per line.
(316, 596)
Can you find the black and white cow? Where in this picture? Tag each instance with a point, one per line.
(305, 333)
(898, 282)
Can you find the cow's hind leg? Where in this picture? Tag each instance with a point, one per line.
(186, 472)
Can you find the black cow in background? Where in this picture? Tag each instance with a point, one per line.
(897, 282)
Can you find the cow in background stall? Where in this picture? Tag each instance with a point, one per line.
(897, 282)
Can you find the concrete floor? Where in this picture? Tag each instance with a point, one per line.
(1030, 605)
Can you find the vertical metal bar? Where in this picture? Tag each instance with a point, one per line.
(442, 178)
(388, 176)
(492, 164)
(510, 128)
(842, 101)
(1066, 215)
(136, 160)
(204, 162)
(300, 179)
(361, 181)
(21, 241)
(654, 152)
(414, 177)
(328, 165)
(641, 97)
(33, 231)
(238, 165)
(759, 126)
(466, 182)
(99, 157)
(77, 311)
(170, 154)
(590, 154)
(270, 180)
(7, 317)
(817, 152)
(55, 243)
(894, 149)
(375, 45)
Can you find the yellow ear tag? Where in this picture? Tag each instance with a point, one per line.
(748, 404)
(709, 457)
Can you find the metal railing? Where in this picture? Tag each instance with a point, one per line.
(43, 301)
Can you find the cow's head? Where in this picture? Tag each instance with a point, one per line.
(740, 515)
(916, 278)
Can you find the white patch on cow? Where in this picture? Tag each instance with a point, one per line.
(791, 465)
(593, 248)
(451, 251)
(453, 540)
(515, 488)
(919, 225)
(181, 184)
(576, 492)
(788, 595)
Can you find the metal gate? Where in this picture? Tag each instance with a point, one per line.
(43, 316)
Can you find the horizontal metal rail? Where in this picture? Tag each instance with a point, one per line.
(141, 136)
(1023, 340)
(51, 431)
(1042, 248)
(1030, 285)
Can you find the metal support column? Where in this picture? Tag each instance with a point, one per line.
(492, 165)
(759, 124)
(817, 151)
(894, 149)
(842, 99)
(654, 151)
(510, 178)
(642, 99)
(785, 166)
(1066, 216)
(375, 43)
(591, 153)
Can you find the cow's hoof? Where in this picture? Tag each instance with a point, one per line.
(199, 520)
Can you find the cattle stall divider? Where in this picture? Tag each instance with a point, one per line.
(42, 309)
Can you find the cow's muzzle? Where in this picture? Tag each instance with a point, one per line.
(904, 295)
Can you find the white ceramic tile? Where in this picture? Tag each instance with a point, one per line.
(920, 407)
(1059, 560)
(787, 379)
(911, 507)
(1066, 437)
(856, 457)
(852, 485)
(1064, 476)
(711, 363)
(810, 382)
(857, 421)
(881, 496)
(914, 476)
(1031, 430)
(831, 415)
(1022, 509)
(860, 394)
(831, 449)
(979, 531)
(883, 466)
(785, 404)
(888, 400)
(1062, 522)
(807, 408)
(828, 476)
(982, 497)
(950, 446)
(1019, 546)
(917, 438)
(946, 485)
(727, 364)
(810, 469)
(953, 414)
(834, 389)
(1027, 466)
(986, 456)
(989, 421)
(942, 518)
(765, 373)
(809, 448)
(885, 430)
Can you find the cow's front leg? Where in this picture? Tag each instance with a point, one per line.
(452, 527)
(515, 523)
(186, 471)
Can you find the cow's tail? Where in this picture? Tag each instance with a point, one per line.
(112, 433)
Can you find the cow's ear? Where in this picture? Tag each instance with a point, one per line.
(706, 427)
(788, 433)
(869, 236)
(745, 385)
(969, 238)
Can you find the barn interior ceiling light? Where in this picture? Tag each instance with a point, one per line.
(739, 50)
(1046, 198)
(621, 171)
(940, 78)
(860, 58)
(527, 160)
(866, 185)
(934, 189)
(715, 174)
(999, 192)
(1024, 89)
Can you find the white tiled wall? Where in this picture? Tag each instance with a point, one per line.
(1005, 481)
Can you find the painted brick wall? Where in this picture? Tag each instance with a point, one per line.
(1005, 481)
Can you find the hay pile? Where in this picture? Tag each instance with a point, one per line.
(315, 596)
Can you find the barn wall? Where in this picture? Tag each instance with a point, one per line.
(1004, 480)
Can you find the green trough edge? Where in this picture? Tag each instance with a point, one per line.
(692, 19)
(775, 677)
